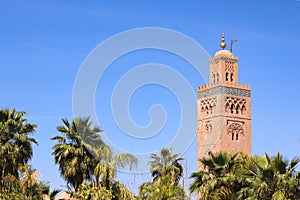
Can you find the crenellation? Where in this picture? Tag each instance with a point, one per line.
(203, 87)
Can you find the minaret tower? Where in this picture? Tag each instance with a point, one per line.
(224, 108)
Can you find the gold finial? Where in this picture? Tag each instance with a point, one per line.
(223, 44)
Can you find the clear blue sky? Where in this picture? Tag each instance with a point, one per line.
(43, 44)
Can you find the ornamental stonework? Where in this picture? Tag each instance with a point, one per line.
(235, 130)
(224, 90)
(208, 126)
(229, 66)
(235, 105)
(207, 105)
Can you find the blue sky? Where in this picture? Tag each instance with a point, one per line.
(43, 44)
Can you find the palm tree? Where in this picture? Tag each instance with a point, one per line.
(10, 188)
(72, 154)
(271, 178)
(219, 178)
(166, 171)
(32, 187)
(162, 188)
(166, 163)
(29, 178)
(90, 135)
(82, 155)
(226, 176)
(47, 194)
(15, 143)
(105, 171)
(88, 192)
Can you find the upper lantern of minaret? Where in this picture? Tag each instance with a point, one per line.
(223, 52)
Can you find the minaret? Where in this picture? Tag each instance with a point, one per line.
(224, 108)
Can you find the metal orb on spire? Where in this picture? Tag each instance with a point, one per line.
(223, 44)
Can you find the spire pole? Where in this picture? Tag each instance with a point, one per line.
(223, 44)
(231, 43)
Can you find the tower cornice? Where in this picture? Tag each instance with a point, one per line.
(207, 91)
(214, 60)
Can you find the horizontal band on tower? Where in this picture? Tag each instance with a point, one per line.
(224, 90)
(223, 58)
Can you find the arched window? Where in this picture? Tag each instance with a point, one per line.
(214, 79)
(217, 78)
(235, 130)
(243, 109)
(227, 78)
(227, 108)
(237, 109)
(231, 77)
(232, 109)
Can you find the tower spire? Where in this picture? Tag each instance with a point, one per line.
(223, 44)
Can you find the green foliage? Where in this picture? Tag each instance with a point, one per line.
(16, 145)
(219, 177)
(121, 192)
(10, 188)
(166, 172)
(162, 188)
(106, 168)
(271, 178)
(13, 188)
(83, 156)
(226, 176)
(105, 172)
(72, 154)
(164, 164)
(17, 179)
(86, 192)
(46, 192)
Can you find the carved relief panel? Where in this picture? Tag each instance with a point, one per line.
(235, 105)
(208, 105)
(235, 130)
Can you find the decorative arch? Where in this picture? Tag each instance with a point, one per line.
(232, 108)
(231, 77)
(243, 110)
(227, 108)
(208, 105)
(235, 105)
(237, 109)
(235, 130)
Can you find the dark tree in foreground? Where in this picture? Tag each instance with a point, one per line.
(87, 163)
(71, 153)
(15, 142)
